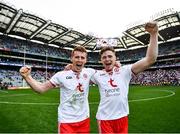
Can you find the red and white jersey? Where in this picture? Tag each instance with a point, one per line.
(114, 92)
(74, 89)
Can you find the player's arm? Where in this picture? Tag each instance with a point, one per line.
(152, 50)
(34, 84)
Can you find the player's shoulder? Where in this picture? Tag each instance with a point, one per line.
(129, 66)
(126, 69)
(99, 73)
(89, 70)
(64, 72)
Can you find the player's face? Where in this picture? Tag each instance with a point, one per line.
(78, 60)
(108, 60)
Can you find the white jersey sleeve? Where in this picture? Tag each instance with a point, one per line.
(93, 80)
(55, 79)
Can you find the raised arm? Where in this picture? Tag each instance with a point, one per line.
(152, 50)
(34, 84)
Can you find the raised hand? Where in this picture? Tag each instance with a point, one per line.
(25, 71)
(68, 67)
(151, 27)
(118, 64)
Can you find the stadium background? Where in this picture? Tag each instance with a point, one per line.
(27, 39)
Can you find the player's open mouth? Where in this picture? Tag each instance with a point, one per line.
(108, 64)
(79, 65)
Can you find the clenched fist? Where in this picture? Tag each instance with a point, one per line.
(151, 27)
(25, 71)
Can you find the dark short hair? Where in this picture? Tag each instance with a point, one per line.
(107, 48)
(80, 49)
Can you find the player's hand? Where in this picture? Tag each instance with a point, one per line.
(25, 71)
(68, 67)
(151, 27)
(118, 64)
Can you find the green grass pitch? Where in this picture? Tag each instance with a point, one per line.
(153, 109)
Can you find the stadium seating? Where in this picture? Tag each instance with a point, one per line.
(46, 60)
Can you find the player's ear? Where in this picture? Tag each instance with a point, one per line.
(86, 58)
(71, 57)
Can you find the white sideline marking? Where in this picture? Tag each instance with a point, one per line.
(3, 91)
(160, 97)
(23, 103)
(91, 103)
(28, 103)
(14, 95)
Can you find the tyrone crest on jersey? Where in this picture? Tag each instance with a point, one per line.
(111, 81)
(85, 76)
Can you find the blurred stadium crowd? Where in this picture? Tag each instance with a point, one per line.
(46, 61)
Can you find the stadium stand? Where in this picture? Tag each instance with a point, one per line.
(27, 39)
